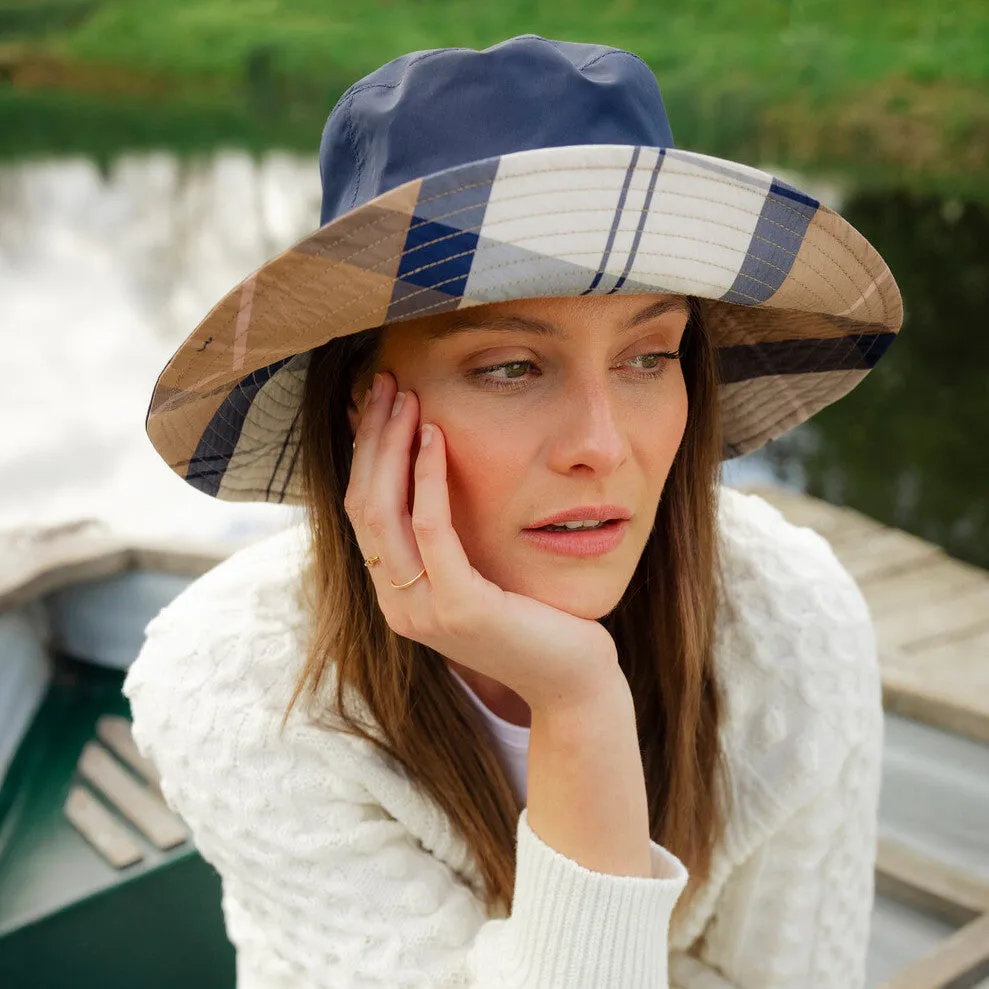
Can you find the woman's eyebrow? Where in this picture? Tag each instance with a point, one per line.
(466, 321)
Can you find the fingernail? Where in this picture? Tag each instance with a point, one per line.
(376, 387)
(397, 407)
(426, 435)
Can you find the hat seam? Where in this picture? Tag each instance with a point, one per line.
(284, 446)
(349, 118)
(758, 303)
(348, 126)
(541, 194)
(637, 253)
(439, 285)
(477, 227)
(757, 410)
(818, 392)
(594, 59)
(250, 452)
(822, 362)
(408, 65)
(708, 178)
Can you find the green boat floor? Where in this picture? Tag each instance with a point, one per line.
(57, 892)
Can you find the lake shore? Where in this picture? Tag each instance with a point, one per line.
(884, 98)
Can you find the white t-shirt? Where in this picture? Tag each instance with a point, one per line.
(512, 741)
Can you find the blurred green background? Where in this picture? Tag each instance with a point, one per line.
(887, 92)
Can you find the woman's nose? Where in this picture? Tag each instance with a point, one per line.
(590, 431)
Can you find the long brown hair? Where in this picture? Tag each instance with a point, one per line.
(663, 628)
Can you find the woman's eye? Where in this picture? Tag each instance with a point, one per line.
(509, 368)
(515, 371)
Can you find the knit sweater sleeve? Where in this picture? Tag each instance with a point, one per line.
(795, 908)
(324, 888)
(797, 913)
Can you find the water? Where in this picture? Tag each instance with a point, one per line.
(101, 277)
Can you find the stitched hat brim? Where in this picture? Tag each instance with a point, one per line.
(799, 304)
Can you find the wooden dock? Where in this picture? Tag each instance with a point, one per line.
(931, 613)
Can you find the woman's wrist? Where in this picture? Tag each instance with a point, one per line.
(566, 703)
(586, 787)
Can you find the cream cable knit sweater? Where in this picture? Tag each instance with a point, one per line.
(338, 872)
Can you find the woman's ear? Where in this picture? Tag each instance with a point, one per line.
(360, 388)
(353, 411)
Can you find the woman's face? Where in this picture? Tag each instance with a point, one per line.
(546, 405)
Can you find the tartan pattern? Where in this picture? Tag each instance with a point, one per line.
(799, 304)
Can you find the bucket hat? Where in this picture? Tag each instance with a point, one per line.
(533, 168)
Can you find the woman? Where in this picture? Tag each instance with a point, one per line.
(432, 739)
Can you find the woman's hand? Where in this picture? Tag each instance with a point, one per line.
(552, 659)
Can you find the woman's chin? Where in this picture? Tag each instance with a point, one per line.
(586, 597)
(590, 592)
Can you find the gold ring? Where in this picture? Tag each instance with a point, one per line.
(374, 560)
(411, 582)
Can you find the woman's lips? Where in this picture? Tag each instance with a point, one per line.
(580, 542)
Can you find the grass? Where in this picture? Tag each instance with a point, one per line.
(897, 92)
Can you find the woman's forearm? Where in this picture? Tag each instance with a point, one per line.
(586, 789)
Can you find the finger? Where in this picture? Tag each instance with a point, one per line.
(386, 512)
(367, 438)
(373, 416)
(437, 541)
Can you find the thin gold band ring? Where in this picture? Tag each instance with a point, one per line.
(374, 560)
(410, 582)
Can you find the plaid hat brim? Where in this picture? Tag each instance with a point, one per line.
(799, 304)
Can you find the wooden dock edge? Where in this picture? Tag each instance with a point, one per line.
(874, 553)
(909, 702)
(36, 561)
(959, 960)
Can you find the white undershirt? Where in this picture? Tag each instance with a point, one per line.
(512, 741)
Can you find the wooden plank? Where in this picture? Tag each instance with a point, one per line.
(938, 579)
(834, 523)
(884, 553)
(138, 804)
(928, 885)
(966, 655)
(915, 628)
(34, 561)
(37, 560)
(914, 694)
(184, 559)
(99, 827)
(115, 733)
(946, 685)
(931, 613)
(958, 962)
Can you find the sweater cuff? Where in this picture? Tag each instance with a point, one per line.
(575, 927)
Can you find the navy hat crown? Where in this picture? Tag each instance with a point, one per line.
(431, 110)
